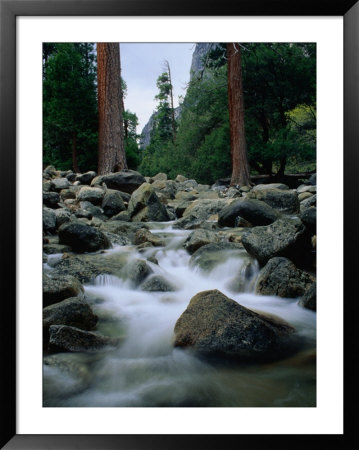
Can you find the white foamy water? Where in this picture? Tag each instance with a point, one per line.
(145, 370)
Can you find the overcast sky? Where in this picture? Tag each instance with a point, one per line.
(141, 65)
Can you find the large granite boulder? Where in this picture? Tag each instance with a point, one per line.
(125, 180)
(82, 238)
(281, 238)
(285, 201)
(112, 203)
(72, 339)
(144, 206)
(60, 287)
(217, 326)
(255, 212)
(282, 278)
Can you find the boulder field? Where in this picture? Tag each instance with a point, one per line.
(268, 224)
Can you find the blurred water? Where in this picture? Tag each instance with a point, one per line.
(147, 371)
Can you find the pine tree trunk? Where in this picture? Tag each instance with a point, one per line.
(240, 169)
(111, 152)
(74, 153)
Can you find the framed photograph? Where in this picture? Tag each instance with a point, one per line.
(172, 399)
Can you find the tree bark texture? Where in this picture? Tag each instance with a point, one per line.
(111, 152)
(240, 168)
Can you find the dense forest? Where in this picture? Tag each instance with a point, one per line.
(279, 90)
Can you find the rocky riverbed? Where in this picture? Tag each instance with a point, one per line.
(161, 292)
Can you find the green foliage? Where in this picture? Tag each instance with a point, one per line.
(157, 157)
(69, 105)
(279, 82)
(131, 139)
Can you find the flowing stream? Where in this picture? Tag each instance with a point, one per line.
(146, 370)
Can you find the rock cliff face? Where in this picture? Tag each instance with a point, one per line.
(196, 68)
(147, 129)
(198, 57)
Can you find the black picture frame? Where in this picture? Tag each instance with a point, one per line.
(9, 10)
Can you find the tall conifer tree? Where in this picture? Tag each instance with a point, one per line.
(111, 155)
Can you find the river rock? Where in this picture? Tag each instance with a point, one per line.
(265, 187)
(180, 179)
(71, 176)
(204, 209)
(185, 196)
(50, 171)
(198, 238)
(51, 199)
(95, 211)
(281, 238)
(125, 180)
(70, 193)
(86, 178)
(72, 311)
(285, 201)
(86, 267)
(159, 177)
(215, 325)
(282, 278)
(72, 339)
(112, 203)
(53, 249)
(157, 283)
(63, 215)
(136, 271)
(143, 236)
(58, 288)
(82, 238)
(309, 298)
(304, 196)
(126, 230)
(60, 183)
(90, 194)
(313, 179)
(144, 206)
(167, 188)
(308, 202)
(254, 211)
(209, 256)
(309, 217)
(48, 220)
(305, 188)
